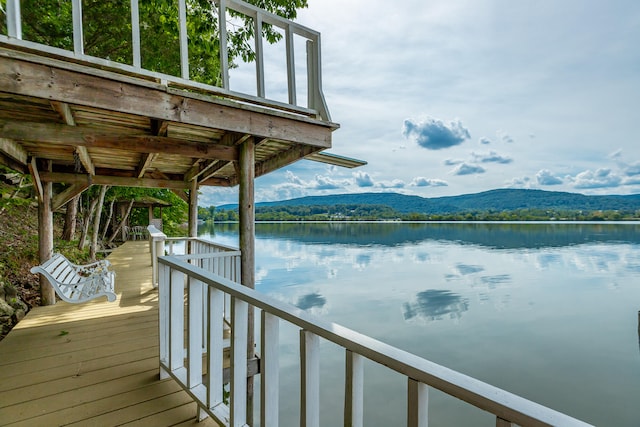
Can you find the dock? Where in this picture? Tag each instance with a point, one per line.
(94, 363)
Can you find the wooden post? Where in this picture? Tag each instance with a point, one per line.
(45, 242)
(246, 212)
(193, 212)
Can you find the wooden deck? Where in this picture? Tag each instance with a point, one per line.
(94, 363)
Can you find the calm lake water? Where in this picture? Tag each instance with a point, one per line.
(548, 311)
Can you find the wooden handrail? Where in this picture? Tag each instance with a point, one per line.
(508, 408)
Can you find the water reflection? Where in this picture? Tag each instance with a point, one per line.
(310, 301)
(492, 235)
(465, 269)
(434, 304)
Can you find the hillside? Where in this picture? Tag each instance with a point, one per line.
(493, 200)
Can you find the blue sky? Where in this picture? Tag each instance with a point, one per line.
(448, 97)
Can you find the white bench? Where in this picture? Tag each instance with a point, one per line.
(78, 283)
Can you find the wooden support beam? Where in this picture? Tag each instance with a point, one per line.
(145, 163)
(193, 208)
(181, 193)
(80, 87)
(12, 149)
(284, 159)
(69, 193)
(70, 178)
(35, 175)
(45, 236)
(246, 210)
(72, 135)
(63, 109)
(85, 159)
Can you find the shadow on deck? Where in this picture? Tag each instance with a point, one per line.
(94, 363)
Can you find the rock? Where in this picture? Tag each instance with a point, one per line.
(19, 315)
(6, 310)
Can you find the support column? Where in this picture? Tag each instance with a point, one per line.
(45, 241)
(193, 212)
(246, 212)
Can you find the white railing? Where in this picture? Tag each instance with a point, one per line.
(186, 364)
(316, 105)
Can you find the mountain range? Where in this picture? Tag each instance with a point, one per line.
(493, 200)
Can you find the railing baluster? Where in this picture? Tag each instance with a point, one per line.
(194, 335)
(309, 379)
(224, 58)
(354, 390)
(163, 306)
(239, 330)
(260, 89)
(418, 404)
(215, 351)
(270, 370)
(176, 320)
(184, 48)
(135, 33)
(14, 19)
(291, 65)
(78, 38)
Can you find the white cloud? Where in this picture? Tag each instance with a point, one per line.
(504, 137)
(363, 179)
(452, 162)
(468, 169)
(434, 134)
(601, 178)
(491, 157)
(396, 183)
(420, 181)
(485, 141)
(545, 177)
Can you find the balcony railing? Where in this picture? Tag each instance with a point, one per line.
(184, 362)
(260, 19)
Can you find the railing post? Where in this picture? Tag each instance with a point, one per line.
(315, 98)
(78, 38)
(194, 332)
(239, 329)
(135, 33)
(417, 404)
(215, 346)
(270, 371)
(291, 65)
(14, 19)
(184, 48)
(176, 320)
(260, 89)
(354, 390)
(224, 58)
(163, 317)
(309, 379)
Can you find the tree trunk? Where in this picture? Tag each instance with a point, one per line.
(70, 219)
(122, 222)
(106, 225)
(87, 221)
(96, 223)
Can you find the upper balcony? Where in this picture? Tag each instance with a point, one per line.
(97, 93)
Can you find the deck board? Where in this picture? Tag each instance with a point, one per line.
(94, 363)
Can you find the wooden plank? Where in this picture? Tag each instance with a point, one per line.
(91, 402)
(42, 81)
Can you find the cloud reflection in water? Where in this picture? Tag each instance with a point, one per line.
(434, 304)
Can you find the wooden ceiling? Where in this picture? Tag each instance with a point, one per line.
(78, 124)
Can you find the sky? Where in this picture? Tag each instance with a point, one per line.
(450, 97)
